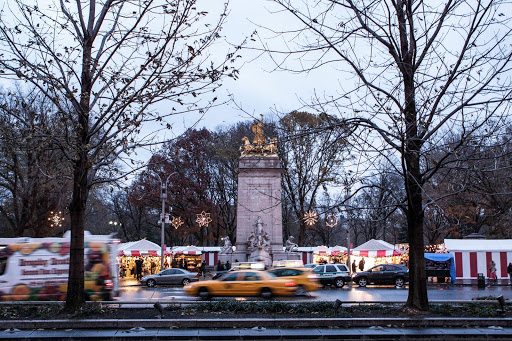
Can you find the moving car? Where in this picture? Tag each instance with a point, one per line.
(333, 274)
(170, 276)
(240, 266)
(383, 274)
(243, 283)
(305, 279)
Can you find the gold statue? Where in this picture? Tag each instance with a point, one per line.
(260, 146)
(257, 129)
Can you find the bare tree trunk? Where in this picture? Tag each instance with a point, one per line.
(76, 294)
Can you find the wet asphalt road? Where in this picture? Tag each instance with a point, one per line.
(135, 293)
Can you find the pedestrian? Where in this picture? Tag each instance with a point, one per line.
(202, 268)
(227, 266)
(138, 268)
(492, 270)
(219, 266)
(509, 270)
(181, 263)
(361, 264)
(354, 267)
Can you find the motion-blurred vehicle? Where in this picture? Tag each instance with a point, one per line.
(311, 265)
(170, 276)
(240, 266)
(243, 283)
(305, 279)
(383, 274)
(333, 274)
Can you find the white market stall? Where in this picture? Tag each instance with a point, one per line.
(148, 251)
(376, 252)
(473, 256)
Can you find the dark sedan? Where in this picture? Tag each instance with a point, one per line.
(383, 274)
(171, 276)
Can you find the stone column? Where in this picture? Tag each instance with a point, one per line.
(259, 195)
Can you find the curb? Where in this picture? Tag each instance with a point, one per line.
(257, 322)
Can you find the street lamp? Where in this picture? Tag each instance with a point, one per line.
(344, 225)
(164, 218)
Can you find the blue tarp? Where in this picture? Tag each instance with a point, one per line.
(443, 257)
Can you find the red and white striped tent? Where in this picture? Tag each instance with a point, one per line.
(473, 256)
(338, 250)
(139, 248)
(376, 248)
(185, 250)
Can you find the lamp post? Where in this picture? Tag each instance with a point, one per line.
(163, 217)
(345, 226)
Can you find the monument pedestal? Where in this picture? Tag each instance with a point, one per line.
(259, 199)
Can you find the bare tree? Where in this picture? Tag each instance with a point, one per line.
(31, 180)
(105, 65)
(310, 162)
(409, 72)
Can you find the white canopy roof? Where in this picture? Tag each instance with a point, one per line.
(138, 248)
(375, 245)
(496, 245)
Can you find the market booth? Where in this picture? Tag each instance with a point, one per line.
(148, 251)
(189, 255)
(376, 252)
(473, 256)
(440, 266)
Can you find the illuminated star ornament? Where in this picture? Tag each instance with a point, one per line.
(331, 220)
(310, 218)
(55, 219)
(203, 219)
(176, 222)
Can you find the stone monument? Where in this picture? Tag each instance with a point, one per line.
(259, 232)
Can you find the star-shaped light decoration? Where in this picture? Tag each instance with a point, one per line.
(331, 220)
(203, 219)
(55, 219)
(310, 218)
(177, 222)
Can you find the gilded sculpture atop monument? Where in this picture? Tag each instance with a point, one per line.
(260, 146)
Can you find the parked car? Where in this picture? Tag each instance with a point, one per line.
(305, 278)
(333, 274)
(243, 283)
(383, 274)
(171, 276)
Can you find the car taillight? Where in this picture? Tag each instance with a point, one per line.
(290, 284)
(109, 284)
(197, 275)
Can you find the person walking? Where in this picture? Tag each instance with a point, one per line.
(509, 270)
(492, 270)
(354, 267)
(227, 266)
(202, 268)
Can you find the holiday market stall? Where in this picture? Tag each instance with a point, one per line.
(375, 252)
(148, 251)
(474, 256)
(440, 265)
(187, 257)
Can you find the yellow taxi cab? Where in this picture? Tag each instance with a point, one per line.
(243, 283)
(305, 278)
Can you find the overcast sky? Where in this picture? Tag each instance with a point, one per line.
(258, 90)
